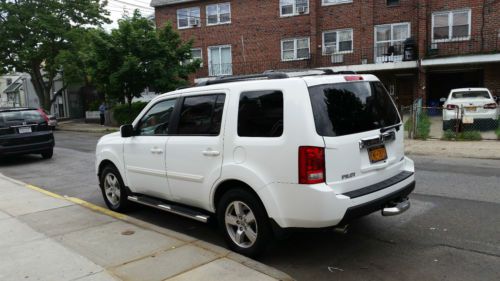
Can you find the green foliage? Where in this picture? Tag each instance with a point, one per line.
(94, 106)
(124, 114)
(462, 136)
(423, 126)
(34, 33)
(497, 131)
(448, 135)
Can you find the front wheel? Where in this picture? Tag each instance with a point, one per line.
(244, 222)
(113, 190)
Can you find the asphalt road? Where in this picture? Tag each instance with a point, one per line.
(452, 231)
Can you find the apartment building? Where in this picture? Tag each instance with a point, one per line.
(419, 48)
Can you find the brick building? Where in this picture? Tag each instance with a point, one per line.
(419, 48)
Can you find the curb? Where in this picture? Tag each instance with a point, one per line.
(220, 251)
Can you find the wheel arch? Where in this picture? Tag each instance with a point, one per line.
(230, 184)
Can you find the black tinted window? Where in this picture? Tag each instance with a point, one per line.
(260, 114)
(156, 121)
(9, 118)
(350, 108)
(201, 115)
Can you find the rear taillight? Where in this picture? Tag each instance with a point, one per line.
(353, 78)
(311, 165)
(490, 106)
(451, 107)
(43, 115)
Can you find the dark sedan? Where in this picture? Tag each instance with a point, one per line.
(25, 131)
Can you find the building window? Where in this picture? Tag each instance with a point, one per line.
(195, 55)
(295, 49)
(188, 18)
(218, 14)
(334, 2)
(389, 39)
(337, 41)
(451, 26)
(294, 7)
(392, 2)
(220, 61)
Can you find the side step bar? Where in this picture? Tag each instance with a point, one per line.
(178, 210)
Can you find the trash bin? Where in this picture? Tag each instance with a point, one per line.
(410, 49)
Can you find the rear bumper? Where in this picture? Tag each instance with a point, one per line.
(37, 147)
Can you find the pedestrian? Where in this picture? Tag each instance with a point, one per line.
(102, 111)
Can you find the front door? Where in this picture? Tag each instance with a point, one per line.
(194, 153)
(145, 153)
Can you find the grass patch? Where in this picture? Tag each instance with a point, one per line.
(462, 136)
(423, 126)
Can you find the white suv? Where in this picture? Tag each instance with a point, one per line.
(263, 153)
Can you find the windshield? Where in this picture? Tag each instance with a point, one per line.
(350, 108)
(9, 118)
(471, 95)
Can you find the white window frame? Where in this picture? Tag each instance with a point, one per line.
(193, 58)
(337, 42)
(188, 16)
(337, 2)
(392, 41)
(218, 13)
(295, 48)
(220, 57)
(294, 13)
(450, 25)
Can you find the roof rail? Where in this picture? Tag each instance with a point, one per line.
(227, 79)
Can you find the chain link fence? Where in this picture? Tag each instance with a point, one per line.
(456, 123)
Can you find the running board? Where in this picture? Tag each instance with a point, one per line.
(178, 210)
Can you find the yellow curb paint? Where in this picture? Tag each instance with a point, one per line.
(79, 202)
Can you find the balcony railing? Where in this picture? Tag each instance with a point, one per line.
(475, 45)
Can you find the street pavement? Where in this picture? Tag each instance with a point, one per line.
(451, 232)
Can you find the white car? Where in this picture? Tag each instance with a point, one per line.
(262, 154)
(470, 106)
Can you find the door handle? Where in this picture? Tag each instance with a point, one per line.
(156, 150)
(211, 153)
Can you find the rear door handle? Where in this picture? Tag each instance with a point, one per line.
(211, 153)
(156, 150)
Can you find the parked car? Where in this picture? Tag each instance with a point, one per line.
(263, 154)
(25, 131)
(51, 119)
(471, 106)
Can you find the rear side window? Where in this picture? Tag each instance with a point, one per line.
(201, 115)
(471, 95)
(350, 108)
(260, 114)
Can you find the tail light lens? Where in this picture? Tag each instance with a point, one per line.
(311, 165)
(490, 106)
(43, 115)
(451, 107)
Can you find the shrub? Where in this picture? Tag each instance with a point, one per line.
(423, 126)
(123, 115)
(448, 135)
(94, 106)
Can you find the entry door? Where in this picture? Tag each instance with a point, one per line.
(145, 153)
(194, 153)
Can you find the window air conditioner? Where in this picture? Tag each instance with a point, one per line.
(336, 58)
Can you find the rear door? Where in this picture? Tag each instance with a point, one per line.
(362, 132)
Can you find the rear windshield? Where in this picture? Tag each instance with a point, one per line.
(352, 107)
(8, 118)
(471, 95)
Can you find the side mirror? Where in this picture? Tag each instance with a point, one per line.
(127, 131)
(442, 99)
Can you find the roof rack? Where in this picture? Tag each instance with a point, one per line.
(227, 79)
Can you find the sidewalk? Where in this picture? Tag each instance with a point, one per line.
(463, 149)
(44, 236)
(79, 125)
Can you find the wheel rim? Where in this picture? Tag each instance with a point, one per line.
(112, 189)
(241, 224)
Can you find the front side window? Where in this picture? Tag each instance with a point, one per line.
(295, 49)
(188, 18)
(218, 13)
(294, 7)
(157, 120)
(260, 114)
(220, 61)
(337, 41)
(389, 39)
(453, 25)
(334, 2)
(201, 115)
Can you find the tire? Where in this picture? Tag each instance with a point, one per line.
(113, 190)
(48, 154)
(244, 233)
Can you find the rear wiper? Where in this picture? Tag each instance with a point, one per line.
(385, 129)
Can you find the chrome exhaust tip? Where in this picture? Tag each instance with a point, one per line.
(396, 207)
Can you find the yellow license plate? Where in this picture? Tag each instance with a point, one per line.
(377, 154)
(470, 108)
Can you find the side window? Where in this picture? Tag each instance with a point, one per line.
(156, 121)
(260, 114)
(201, 115)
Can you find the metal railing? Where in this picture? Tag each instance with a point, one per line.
(470, 45)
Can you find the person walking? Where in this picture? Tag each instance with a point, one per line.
(102, 111)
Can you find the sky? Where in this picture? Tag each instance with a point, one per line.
(117, 8)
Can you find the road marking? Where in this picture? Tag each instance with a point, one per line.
(46, 192)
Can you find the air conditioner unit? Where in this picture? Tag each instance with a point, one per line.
(302, 10)
(434, 46)
(194, 21)
(336, 58)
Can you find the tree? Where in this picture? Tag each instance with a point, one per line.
(34, 32)
(136, 56)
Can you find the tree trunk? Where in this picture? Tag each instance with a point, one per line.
(42, 91)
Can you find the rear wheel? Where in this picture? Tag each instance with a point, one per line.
(113, 190)
(48, 154)
(244, 222)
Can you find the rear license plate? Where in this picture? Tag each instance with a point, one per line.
(377, 154)
(468, 120)
(24, 130)
(470, 108)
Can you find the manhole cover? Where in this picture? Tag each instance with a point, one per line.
(128, 232)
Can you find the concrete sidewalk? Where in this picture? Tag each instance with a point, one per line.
(79, 125)
(44, 236)
(462, 149)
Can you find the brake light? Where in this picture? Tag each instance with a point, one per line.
(311, 165)
(451, 107)
(490, 106)
(353, 78)
(43, 115)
